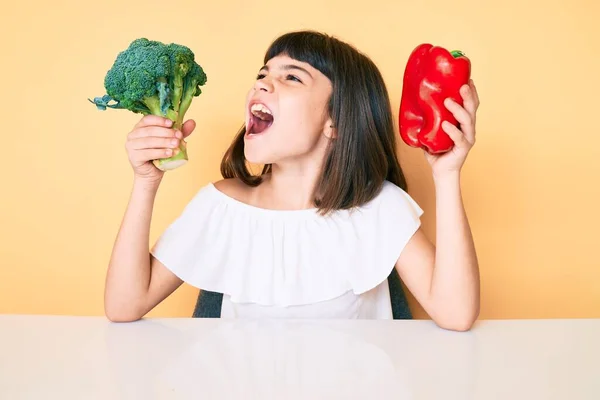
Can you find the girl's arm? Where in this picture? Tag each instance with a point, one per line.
(445, 279)
(135, 281)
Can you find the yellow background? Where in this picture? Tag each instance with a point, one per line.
(530, 184)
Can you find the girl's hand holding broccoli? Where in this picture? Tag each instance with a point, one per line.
(154, 137)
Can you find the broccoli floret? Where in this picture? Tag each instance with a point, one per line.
(150, 77)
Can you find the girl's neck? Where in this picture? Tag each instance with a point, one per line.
(288, 188)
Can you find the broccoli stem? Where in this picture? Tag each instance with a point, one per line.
(185, 104)
(180, 157)
(153, 104)
(177, 91)
(186, 101)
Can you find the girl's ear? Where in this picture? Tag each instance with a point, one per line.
(329, 131)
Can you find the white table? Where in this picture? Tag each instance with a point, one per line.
(45, 357)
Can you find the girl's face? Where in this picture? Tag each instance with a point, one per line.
(286, 113)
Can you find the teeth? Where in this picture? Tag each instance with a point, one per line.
(261, 108)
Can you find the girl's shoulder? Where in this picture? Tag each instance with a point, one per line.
(235, 193)
(232, 187)
(231, 200)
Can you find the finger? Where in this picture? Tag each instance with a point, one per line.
(151, 131)
(151, 119)
(459, 112)
(151, 154)
(457, 136)
(188, 127)
(153, 143)
(468, 131)
(474, 92)
(468, 100)
(429, 157)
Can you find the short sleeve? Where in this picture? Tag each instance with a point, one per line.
(174, 247)
(386, 226)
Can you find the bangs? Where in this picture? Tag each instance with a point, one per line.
(312, 48)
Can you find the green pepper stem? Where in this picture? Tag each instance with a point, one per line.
(457, 53)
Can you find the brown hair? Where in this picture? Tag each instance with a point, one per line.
(363, 154)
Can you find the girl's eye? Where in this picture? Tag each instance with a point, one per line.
(289, 77)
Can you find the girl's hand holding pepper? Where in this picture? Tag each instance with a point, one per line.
(463, 137)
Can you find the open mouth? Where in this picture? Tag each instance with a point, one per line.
(261, 119)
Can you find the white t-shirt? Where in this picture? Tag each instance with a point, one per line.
(291, 264)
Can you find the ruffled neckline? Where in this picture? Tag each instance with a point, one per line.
(260, 211)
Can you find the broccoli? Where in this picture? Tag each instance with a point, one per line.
(150, 77)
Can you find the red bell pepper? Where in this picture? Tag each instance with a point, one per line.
(432, 74)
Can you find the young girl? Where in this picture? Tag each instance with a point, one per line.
(319, 231)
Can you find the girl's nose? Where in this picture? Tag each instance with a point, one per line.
(263, 84)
